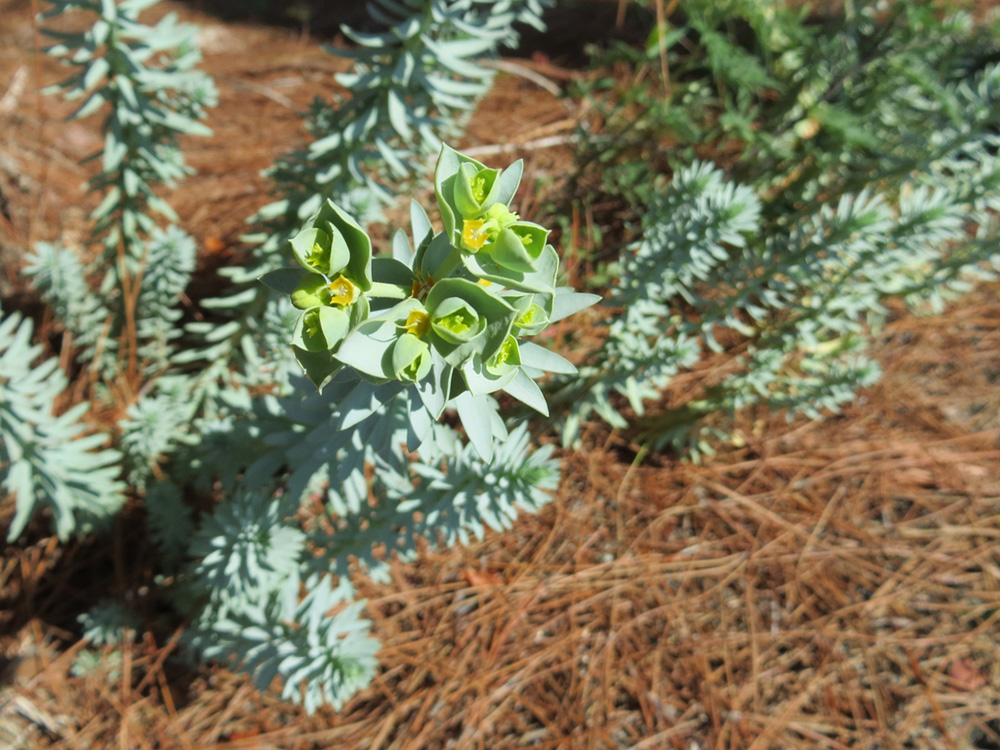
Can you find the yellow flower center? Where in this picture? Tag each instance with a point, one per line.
(418, 323)
(474, 235)
(343, 291)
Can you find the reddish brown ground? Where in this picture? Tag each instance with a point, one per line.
(829, 585)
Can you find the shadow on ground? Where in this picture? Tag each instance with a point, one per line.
(572, 26)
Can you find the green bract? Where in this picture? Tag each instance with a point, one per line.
(519, 246)
(333, 244)
(446, 315)
(456, 321)
(332, 288)
(466, 319)
(533, 320)
(474, 189)
(411, 358)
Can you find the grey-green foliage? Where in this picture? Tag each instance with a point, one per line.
(106, 623)
(246, 603)
(869, 141)
(249, 553)
(89, 662)
(49, 460)
(450, 496)
(154, 426)
(143, 78)
(161, 417)
(365, 336)
(241, 566)
(320, 657)
(58, 273)
(409, 86)
(803, 298)
(60, 277)
(448, 317)
(244, 587)
(169, 521)
(169, 263)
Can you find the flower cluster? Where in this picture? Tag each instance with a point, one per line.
(448, 313)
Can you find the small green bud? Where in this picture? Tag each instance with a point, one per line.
(532, 321)
(320, 329)
(456, 321)
(479, 233)
(321, 251)
(509, 356)
(473, 189)
(411, 358)
(312, 291)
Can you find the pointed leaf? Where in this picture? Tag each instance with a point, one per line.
(533, 355)
(476, 414)
(525, 390)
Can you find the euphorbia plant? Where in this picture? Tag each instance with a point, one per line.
(447, 314)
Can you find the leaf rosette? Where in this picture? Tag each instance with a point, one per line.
(337, 255)
(467, 190)
(330, 287)
(446, 314)
(484, 376)
(466, 320)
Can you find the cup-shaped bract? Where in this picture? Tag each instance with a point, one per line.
(519, 246)
(312, 291)
(333, 244)
(391, 345)
(320, 328)
(489, 375)
(319, 332)
(533, 320)
(482, 233)
(474, 189)
(507, 358)
(411, 358)
(540, 277)
(465, 319)
(456, 321)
